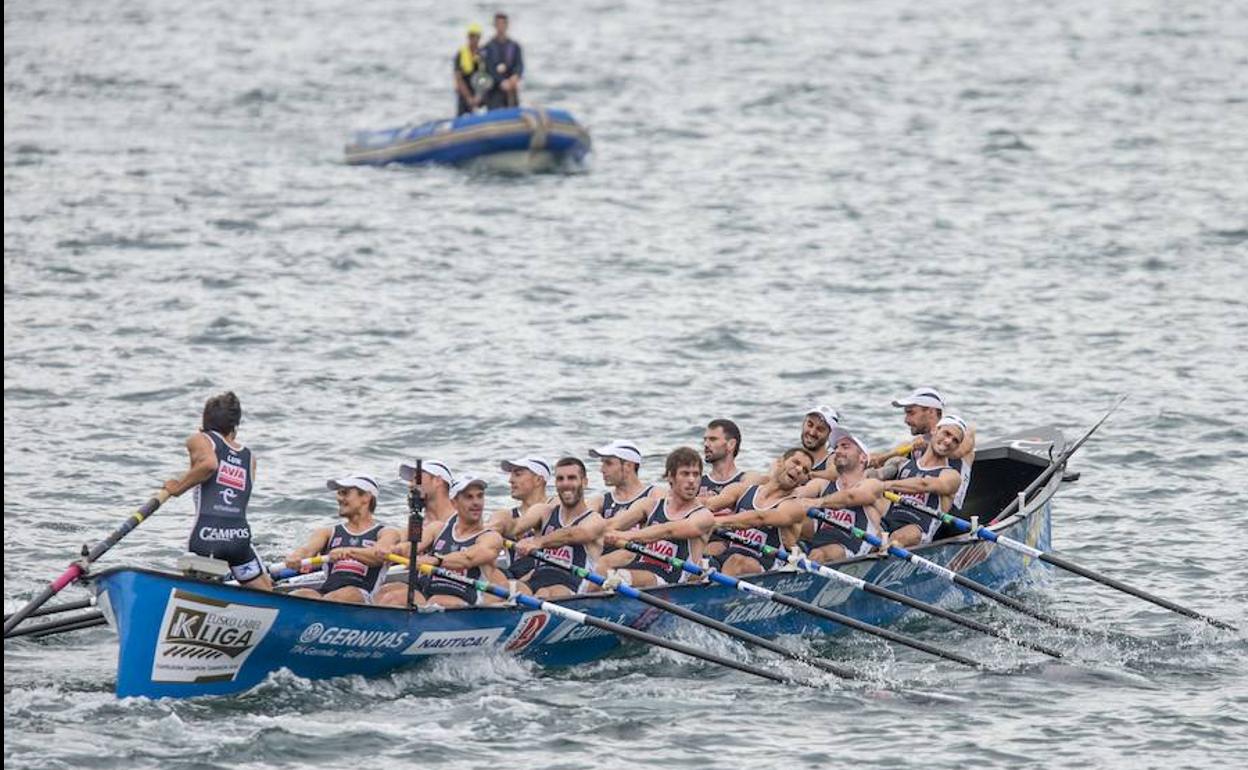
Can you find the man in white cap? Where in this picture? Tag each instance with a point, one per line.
(851, 499)
(930, 479)
(621, 461)
(435, 484)
(527, 479)
(790, 478)
(355, 547)
(924, 408)
(568, 530)
(462, 545)
(818, 425)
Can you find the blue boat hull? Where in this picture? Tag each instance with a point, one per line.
(181, 636)
(537, 134)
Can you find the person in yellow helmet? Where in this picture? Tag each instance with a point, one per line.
(469, 70)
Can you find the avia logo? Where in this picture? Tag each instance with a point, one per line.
(234, 476)
(665, 548)
(562, 553)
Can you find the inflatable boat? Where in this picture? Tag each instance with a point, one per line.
(516, 138)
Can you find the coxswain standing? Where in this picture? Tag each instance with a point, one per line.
(462, 545)
(674, 525)
(355, 548)
(222, 473)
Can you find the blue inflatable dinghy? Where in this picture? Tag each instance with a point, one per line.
(519, 138)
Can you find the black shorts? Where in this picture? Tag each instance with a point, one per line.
(734, 548)
(545, 576)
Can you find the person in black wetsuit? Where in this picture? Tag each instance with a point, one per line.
(356, 547)
(222, 473)
(505, 62)
(469, 73)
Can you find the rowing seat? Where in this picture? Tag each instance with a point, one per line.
(203, 567)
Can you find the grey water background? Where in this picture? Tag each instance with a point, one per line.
(1034, 207)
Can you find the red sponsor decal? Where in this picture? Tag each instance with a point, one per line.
(756, 536)
(970, 556)
(350, 565)
(526, 631)
(661, 547)
(233, 476)
(562, 553)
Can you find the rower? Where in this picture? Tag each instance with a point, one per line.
(222, 472)
(675, 525)
(621, 462)
(930, 480)
(355, 547)
(462, 544)
(816, 428)
(721, 443)
(851, 499)
(435, 484)
(527, 479)
(571, 531)
(789, 479)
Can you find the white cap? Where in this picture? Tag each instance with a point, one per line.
(362, 483)
(828, 414)
(625, 450)
(954, 420)
(432, 467)
(534, 465)
(465, 483)
(840, 433)
(929, 397)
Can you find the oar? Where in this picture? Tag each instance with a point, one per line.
(1055, 465)
(79, 568)
(946, 573)
(279, 571)
(625, 589)
(845, 620)
(60, 625)
(580, 618)
(81, 604)
(886, 593)
(983, 533)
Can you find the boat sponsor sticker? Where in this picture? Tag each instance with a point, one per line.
(527, 630)
(319, 640)
(446, 642)
(206, 640)
(571, 631)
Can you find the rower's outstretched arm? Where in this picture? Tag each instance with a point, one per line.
(727, 497)
(631, 516)
(586, 532)
(945, 484)
(315, 545)
(483, 552)
(786, 514)
(695, 525)
(864, 493)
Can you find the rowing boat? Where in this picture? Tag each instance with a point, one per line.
(516, 138)
(182, 635)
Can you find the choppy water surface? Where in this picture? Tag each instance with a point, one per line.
(1032, 206)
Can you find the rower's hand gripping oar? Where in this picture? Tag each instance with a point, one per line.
(279, 570)
(885, 593)
(845, 620)
(89, 555)
(625, 589)
(948, 574)
(983, 533)
(580, 618)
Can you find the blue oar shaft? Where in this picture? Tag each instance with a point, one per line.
(946, 573)
(751, 588)
(580, 618)
(886, 593)
(983, 533)
(625, 589)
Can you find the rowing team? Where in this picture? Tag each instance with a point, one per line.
(704, 494)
